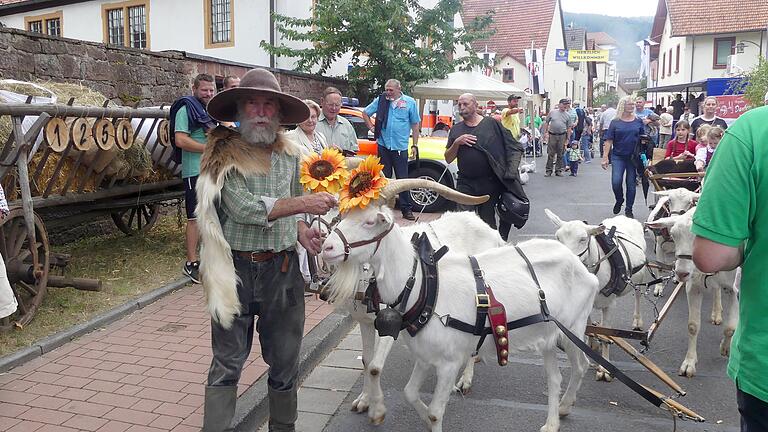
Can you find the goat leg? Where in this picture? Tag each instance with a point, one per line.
(717, 305)
(694, 294)
(446, 376)
(376, 408)
(554, 380)
(411, 390)
(732, 320)
(368, 337)
(579, 366)
(464, 386)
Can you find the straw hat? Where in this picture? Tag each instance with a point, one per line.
(257, 82)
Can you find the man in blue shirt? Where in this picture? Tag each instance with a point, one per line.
(397, 118)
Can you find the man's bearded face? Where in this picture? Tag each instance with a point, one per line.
(259, 118)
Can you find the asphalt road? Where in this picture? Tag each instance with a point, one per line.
(512, 397)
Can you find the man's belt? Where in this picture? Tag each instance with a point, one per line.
(257, 256)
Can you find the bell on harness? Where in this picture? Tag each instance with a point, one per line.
(388, 322)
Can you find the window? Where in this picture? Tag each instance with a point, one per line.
(49, 24)
(663, 63)
(677, 59)
(508, 75)
(723, 48)
(219, 23)
(669, 63)
(127, 23)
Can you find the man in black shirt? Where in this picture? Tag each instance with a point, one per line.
(678, 106)
(488, 160)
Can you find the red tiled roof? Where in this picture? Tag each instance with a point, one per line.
(602, 38)
(517, 23)
(694, 17)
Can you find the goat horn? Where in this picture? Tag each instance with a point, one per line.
(394, 187)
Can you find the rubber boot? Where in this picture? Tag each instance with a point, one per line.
(220, 404)
(282, 410)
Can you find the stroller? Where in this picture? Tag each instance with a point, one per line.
(532, 144)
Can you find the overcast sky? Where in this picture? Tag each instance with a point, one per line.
(612, 7)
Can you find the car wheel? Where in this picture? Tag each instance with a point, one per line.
(427, 199)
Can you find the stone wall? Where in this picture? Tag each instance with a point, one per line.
(128, 76)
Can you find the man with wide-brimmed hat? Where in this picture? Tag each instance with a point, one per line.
(249, 206)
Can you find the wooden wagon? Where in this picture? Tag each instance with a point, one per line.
(50, 178)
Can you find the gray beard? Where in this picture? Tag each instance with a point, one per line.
(259, 135)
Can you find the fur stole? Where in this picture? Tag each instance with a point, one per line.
(226, 151)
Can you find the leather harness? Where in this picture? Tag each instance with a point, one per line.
(620, 277)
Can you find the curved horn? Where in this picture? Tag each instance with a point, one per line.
(396, 186)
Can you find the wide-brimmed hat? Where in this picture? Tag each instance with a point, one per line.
(257, 82)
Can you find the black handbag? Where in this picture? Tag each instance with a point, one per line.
(513, 209)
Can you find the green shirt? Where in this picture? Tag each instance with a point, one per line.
(246, 202)
(340, 134)
(190, 161)
(536, 121)
(732, 210)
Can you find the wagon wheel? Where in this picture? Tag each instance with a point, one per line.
(29, 283)
(139, 219)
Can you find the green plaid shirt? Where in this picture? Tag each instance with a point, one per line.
(247, 201)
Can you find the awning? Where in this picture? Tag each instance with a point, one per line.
(695, 86)
(457, 83)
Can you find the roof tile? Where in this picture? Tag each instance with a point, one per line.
(517, 24)
(692, 17)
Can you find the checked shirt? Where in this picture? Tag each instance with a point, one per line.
(246, 202)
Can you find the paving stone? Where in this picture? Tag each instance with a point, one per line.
(85, 422)
(344, 358)
(311, 422)
(332, 378)
(46, 416)
(320, 401)
(351, 342)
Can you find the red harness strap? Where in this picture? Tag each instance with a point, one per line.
(497, 316)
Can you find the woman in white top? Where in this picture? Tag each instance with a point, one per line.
(306, 135)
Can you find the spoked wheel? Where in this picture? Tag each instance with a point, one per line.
(139, 219)
(29, 280)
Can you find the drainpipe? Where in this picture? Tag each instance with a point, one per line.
(693, 54)
(272, 31)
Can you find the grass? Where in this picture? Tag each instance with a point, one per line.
(127, 266)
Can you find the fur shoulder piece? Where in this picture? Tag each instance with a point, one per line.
(224, 152)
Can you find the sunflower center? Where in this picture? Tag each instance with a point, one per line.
(359, 183)
(321, 169)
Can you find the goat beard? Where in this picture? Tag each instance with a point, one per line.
(262, 136)
(344, 282)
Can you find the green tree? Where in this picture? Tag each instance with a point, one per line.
(602, 96)
(388, 39)
(753, 84)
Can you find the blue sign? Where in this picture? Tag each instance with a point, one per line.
(561, 55)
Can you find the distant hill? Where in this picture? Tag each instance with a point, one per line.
(626, 31)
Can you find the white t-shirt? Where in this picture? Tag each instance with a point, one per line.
(701, 154)
(665, 127)
(606, 117)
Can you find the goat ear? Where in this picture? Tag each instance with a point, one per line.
(666, 222)
(595, 230)
(553, 217)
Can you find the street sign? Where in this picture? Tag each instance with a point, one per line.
(561, 55)
(581, 55)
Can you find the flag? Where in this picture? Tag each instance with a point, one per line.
(534, 61)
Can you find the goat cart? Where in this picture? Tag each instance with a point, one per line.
(63, 165)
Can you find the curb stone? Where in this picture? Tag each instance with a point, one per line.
(253, 407)
(56, 340)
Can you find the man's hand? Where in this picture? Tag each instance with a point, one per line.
(466, 139)
(310, 238)
(604, 163)
(318, 203)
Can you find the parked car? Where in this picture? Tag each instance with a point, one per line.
(431, 163)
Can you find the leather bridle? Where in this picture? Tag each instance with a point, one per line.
(349, 246)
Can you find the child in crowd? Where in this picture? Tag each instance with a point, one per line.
(682, 147)
(701, 136)
(574, 157)
(704, 154)
(8, 303)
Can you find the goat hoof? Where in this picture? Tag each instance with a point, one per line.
(603, 375)
(377, 421)
(716, 320)
(549, 428)
(360, 405)
(563, 411)
(463, 387)
(687, 369)
(725, 348)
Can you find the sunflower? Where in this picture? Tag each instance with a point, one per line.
(363, 186)
(324, 172)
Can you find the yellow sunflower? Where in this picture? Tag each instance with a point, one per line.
(324, 172)
(365, 183)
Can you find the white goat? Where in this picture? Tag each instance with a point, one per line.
(570, 291)
(672, 202)
(462, 232)
(679, 227)
(579, 237)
